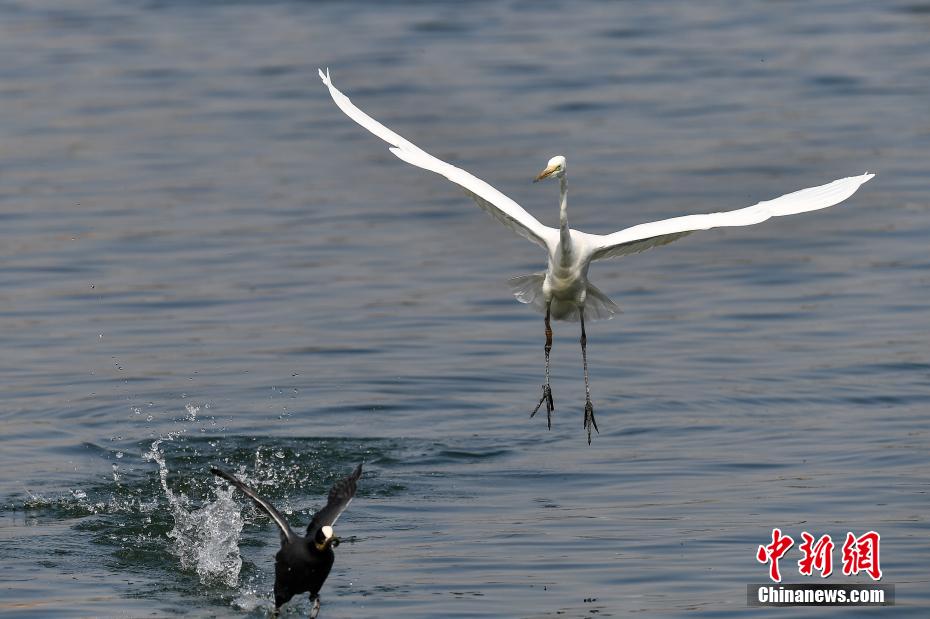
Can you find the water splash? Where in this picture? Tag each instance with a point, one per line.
(206, 540)
(253, 596)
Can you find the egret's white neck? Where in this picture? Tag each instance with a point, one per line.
(566, 236)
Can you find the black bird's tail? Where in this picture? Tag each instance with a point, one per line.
(287, 535)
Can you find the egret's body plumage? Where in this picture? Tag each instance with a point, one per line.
(563, 291)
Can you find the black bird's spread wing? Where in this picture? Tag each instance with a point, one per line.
(286, 533)
(340, 495)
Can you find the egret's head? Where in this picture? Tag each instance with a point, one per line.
(554, 169)
(325, 538)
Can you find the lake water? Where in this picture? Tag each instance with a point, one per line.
(203, 261)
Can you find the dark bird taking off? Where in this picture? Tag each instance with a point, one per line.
(303, 563)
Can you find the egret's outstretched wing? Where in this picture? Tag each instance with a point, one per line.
(286, 532)
(645, 236)
(340, 495)
(491, 200)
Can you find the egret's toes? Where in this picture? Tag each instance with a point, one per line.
(589, 421)
(550, 406)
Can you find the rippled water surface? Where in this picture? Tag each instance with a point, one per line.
(203, 261)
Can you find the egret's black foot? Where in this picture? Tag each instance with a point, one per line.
(589, 419)
(547, 398)
(316, 608)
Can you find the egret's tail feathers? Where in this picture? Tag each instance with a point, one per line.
(529, 289)
(598, 306)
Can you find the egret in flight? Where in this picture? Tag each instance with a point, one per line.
(563, 291)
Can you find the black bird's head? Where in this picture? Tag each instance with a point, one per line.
(325, 538)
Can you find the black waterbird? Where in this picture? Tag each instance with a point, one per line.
(303, 563)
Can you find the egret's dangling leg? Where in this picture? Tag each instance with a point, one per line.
(588, 407)
(546, 391)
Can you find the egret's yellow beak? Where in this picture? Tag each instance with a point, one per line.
(546, 173)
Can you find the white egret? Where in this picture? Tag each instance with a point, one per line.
(563, 291)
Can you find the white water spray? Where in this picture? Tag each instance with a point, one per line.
(207, 539)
